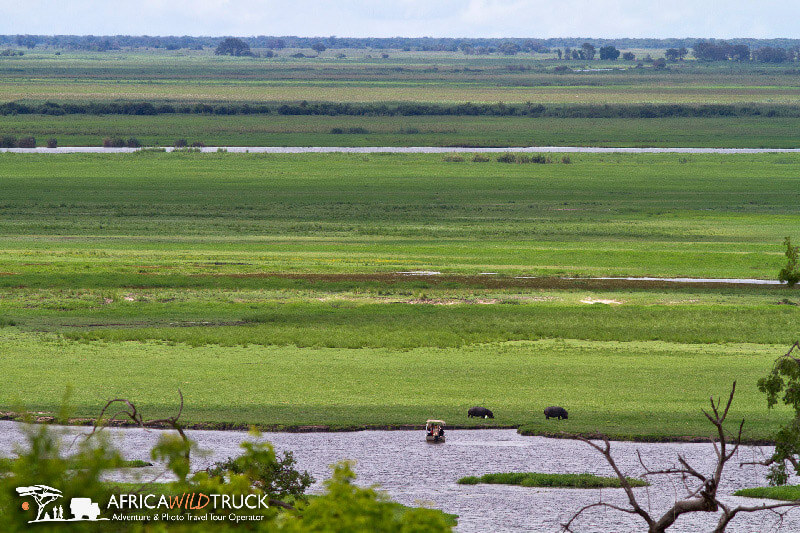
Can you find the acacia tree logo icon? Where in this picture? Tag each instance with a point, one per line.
(82, 509)
(43, 496)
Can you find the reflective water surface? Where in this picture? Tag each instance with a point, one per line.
(416, 473)
(411, 150)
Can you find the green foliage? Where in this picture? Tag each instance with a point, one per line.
(790, 274)
(782, 385)
(272, 475)
(75, 468)
(234, 47)
(42, 461)
(609, 53)
(536, 479)
(175, 452)
(113, 142)
(8, 141)
(26, 142)
(347, 507)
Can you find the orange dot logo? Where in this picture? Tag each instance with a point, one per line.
(25, 506)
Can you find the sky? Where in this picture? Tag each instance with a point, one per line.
(408, 18)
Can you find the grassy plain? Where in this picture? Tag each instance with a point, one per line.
(283, 130)
(643, 389)
(94, 220)
(264, 287)
(198, 77)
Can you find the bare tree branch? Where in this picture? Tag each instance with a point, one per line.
(129, 411)
(606, 451)
(567, 527)
(729, 514)
(770, 461)
(789, 353)
(703, 498)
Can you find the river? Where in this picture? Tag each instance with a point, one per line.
(410, 150)
(416, 473)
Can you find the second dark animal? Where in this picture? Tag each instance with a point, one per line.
(480, 412)
(555, 412)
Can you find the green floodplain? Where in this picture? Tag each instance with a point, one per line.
(569, 103)
(266, 288)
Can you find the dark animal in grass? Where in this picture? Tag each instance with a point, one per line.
(555, 412)
(480, 412)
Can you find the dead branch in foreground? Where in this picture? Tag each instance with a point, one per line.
(701, 498)
(130, 412)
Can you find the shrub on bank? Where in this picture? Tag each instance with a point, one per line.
(26, 142)
(8, 141)
(113, 142)
(357, 130)
(52, 143)
(523, 158)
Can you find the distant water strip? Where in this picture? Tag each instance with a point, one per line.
(408, 150)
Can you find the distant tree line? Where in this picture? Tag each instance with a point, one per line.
(727, 51)
(475, 45)
(406, 109)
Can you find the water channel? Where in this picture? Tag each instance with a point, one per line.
(416, 473)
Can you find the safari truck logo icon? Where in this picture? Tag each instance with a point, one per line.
(82, 509)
